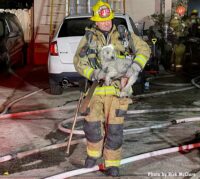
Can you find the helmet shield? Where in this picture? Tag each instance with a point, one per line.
(102, 12)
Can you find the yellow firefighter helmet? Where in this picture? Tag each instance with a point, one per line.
(102, 12)
(195, 12)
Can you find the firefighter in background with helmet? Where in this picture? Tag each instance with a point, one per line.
(177, 23)
(103, 125)
(180, 31)
(193, 23)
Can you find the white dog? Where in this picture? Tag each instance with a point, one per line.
(116, 67)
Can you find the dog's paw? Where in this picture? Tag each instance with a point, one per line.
(127, 89)
(126, 92)
(123, 94)
(107, 81)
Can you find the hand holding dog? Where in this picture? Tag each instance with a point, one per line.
(124, 81)
(132, 76)
(133, 72)
(98, 75)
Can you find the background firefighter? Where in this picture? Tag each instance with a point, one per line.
(180, 31)
(193, 23)
(103, 125)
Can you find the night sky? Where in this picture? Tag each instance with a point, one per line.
(193, 4)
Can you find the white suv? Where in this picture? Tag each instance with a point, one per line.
(63, 47)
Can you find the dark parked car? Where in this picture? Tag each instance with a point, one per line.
(12, 44)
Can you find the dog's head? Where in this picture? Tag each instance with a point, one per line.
(107, 53)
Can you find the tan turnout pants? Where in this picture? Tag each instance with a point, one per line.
(103, 128)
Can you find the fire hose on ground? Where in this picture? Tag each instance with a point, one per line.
(24, 154)
(101, 167)
(3, 115)
(132, 131)
(126, 132)
(187, 86)
(21, 114)
(168, 84)
(79, 132)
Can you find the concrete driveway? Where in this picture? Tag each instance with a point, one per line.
(28, 131)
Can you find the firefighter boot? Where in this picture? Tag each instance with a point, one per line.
(112, 171)
(90, 162)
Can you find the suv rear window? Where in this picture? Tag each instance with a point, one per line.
(76, 27)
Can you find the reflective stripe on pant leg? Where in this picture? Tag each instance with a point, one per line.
(112, 163)
(112, 157)
(94, 149)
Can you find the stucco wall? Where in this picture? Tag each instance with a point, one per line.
(140, 10)
(42, 18)
(41, 27)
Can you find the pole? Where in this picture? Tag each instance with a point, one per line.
(74, 123)
(51, 22)
(68, 7)
(124, 6)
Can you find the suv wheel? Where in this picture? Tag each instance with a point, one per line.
(55, 87)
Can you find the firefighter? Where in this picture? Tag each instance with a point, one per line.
(178, 26)
(193, 23)
(180, 31)
(103, 125)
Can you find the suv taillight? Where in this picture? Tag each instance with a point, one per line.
(54, 48)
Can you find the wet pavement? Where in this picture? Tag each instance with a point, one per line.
(35, 131)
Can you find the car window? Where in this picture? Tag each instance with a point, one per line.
(76, 27)
(1, 29)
